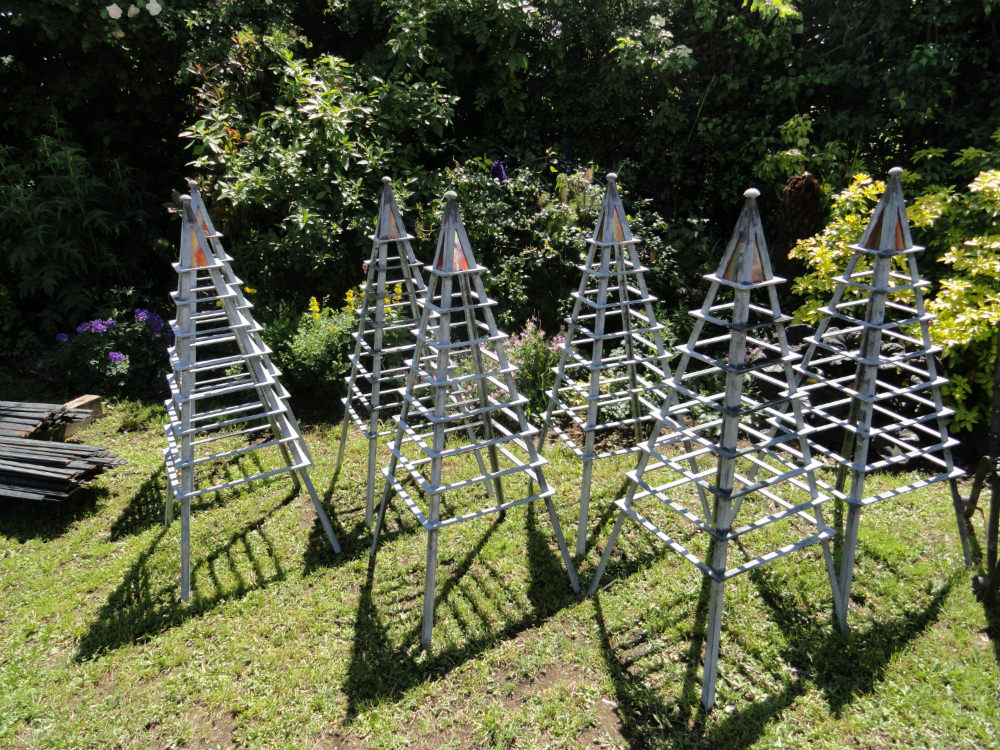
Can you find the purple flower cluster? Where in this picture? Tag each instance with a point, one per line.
(116, 356)
(95, 326)
(154, 321)
(497, 172)
(532, 333)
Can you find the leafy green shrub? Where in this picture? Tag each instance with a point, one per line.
(831, 160)
(531, 229)
(826, 254)
(968, 304)
(314, 353)
(530, 234)
(63, 225)
(295, 152)
(532, 354)
(123, 355)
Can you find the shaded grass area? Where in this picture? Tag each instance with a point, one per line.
(285, 644)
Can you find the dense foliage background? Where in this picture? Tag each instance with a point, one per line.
(290, 112)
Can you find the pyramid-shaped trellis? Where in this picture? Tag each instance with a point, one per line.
(460, 398)
(613, 364)
(225, 399)
(700, 476)
(890, 396)
(384, 340)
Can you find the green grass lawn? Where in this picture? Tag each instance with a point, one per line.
(286, 645)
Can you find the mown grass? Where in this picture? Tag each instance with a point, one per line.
(286, 645)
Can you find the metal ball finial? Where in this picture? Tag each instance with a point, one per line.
(751, 193)
(451, 195)
(896, 171)
(387, 179)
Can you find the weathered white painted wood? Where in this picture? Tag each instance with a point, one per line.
(212, 312)
(711, 456)
(460, 386)
(612, 308)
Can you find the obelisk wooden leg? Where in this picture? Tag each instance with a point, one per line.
(582, 523)
(168, 508)
(185, 549)
(607, 553)
(430, 575)
(713, 636)
(848, 553)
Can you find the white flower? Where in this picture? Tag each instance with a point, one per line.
(133, 11)
(153, 7)
(114, 11)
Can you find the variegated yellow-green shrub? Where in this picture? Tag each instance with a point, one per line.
(959, 228)
(826, 254)
(968, 306)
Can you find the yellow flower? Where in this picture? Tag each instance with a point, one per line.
(351, 299)
(314, 306)
(249, 290)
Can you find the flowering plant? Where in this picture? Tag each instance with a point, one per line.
(313, 351)
(355, 297)
(124, 354)
(114, 11)
(534, 356)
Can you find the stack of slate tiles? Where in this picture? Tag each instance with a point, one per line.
(21, 419)
(42, 469)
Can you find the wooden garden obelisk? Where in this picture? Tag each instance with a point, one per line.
(892, 399)
(384, 340)
(226, 402)
(613, 364)
(461, 399)
(695, 471)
